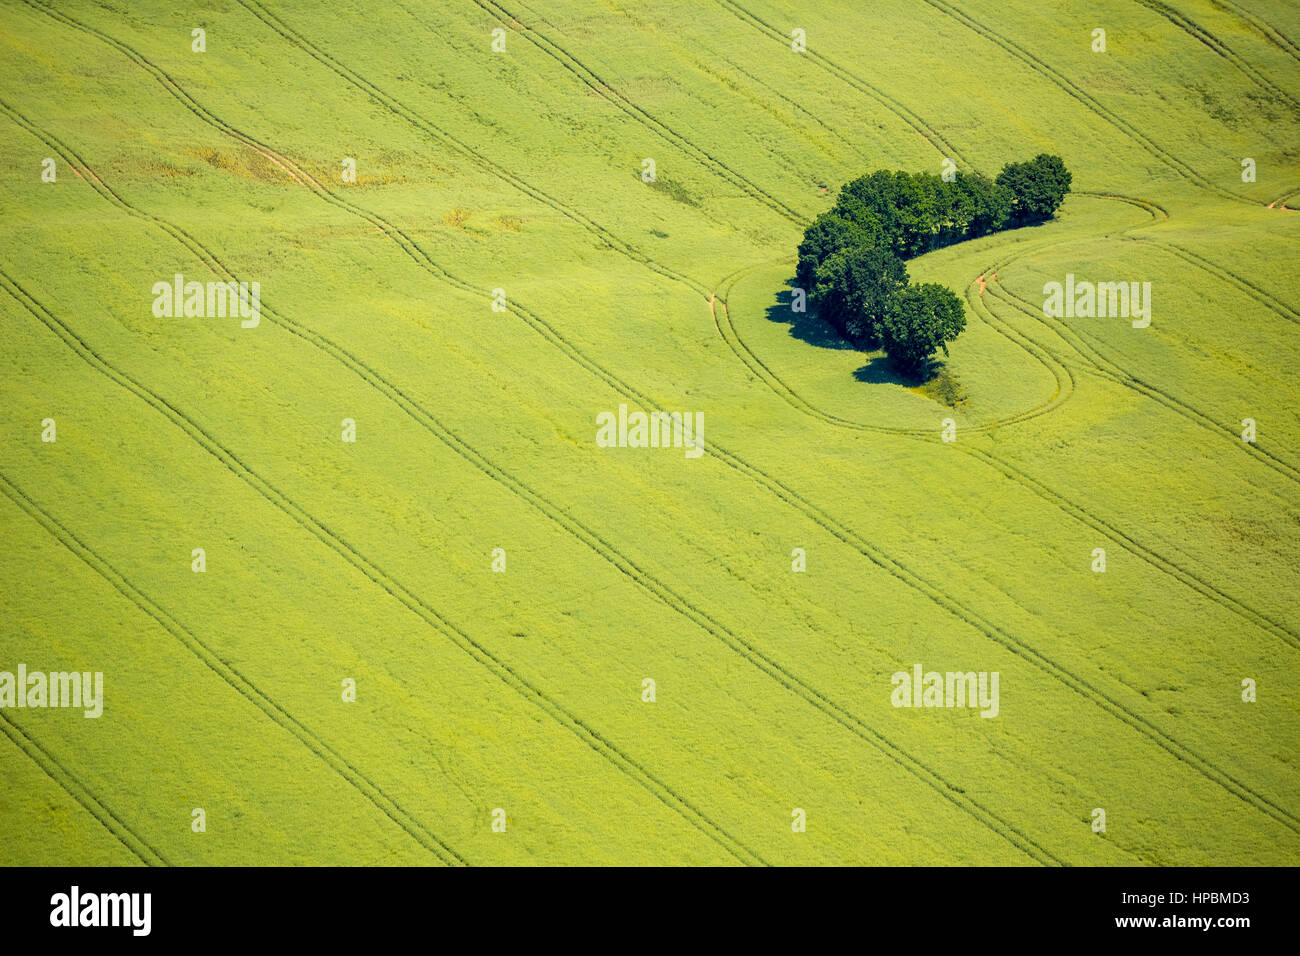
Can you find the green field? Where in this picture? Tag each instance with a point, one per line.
(486, 697)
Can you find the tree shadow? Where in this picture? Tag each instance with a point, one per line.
(805, 326)
(879, 370)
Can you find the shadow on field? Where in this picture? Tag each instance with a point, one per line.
(804, 326)
(879, 370)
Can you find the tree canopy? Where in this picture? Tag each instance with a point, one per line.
(920, 320)
(851, 257)
(1038, 187)
(854, 288)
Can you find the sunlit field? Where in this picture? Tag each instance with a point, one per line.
(361, 583)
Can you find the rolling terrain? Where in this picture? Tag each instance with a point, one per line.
(522, 690)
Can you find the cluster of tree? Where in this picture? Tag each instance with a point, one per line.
(851, 257)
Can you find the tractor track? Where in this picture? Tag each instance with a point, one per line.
(855, 148)
(373, 572)
(1113, 370)
(918, 125)
(573, 526)
(1205, 37)
(783, 492)
(135, 844)
(755, 657)
(451, 143)
(1037, 658)
(1257, 293)
(215, 662)
(1122, 376)
(595, 82)
(730, 334)
(1096, 522)
(828, 522)
(1270, 33)
(1089, 103)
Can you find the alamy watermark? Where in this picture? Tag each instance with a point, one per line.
(213, 300)
(953, 689)
(1086, 300)
(81, 689)
(74, 908)
(654, 430)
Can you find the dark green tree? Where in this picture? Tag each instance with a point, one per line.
(851, 258)
(1038, 186)
(902, 204)
(980, 206)
(920, 320)
(829, 233)
(853, 290)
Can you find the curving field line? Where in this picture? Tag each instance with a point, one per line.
(1094, 521)
(1243, 791)
(1118, 375)
(430, 615)
(1204, 36)
(1154, 558)
(586, 535)
(135, 844)
(1054, 76)
(728, 332)
(1113, 371)
(1043, 662)
(827, 522)
(1270, 33)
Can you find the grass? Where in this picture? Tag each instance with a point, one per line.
(943, 386)
(522, 690)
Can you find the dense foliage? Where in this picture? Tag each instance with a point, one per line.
(920, 320)
(851, 257)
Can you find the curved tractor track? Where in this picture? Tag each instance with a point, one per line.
(751, 653)
(833, 527)
(1112, 372)
(1042, 661)
(727, 331)
(1204, 36)
(1270, 33)
(569, 523)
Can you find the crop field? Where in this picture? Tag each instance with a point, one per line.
(359, 580)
